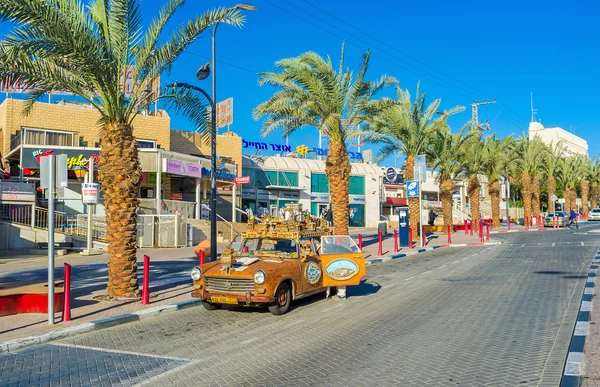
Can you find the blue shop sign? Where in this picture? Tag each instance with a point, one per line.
(222, 174)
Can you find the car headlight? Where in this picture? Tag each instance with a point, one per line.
(260, 277)
(196, 273)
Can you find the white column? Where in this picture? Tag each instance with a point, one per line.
(198, 197)
(233, 202)
(158, 199)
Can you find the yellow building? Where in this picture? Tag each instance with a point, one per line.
(175, 163)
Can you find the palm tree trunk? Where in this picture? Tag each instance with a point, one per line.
(495, 196)
(594, 195)
(551, 186)
(573, 193)
(526, 192)
(413, 203)
(567, 197)
(585, 189)
(474, 190)
(337, 169)
(535, 195)
(120, 178)
(446, 192)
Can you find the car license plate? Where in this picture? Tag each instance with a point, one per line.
(223, 300)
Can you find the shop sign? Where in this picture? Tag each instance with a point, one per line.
(320, 197)
(176, 167)
(248, 193)
(289, 195)
(393, 177)
(90, 193)
(176, 196)
(222, 174)
(151, 178)
(357, 199)
(16, 192)
(354, 156)
(242, 180)
(264, 194)
(75, 157)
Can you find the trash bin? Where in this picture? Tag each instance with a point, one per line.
(382, 228)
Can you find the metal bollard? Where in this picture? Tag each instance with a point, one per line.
(146, 289)
(202, 257)
(396, 241)
(410, 238)
(360, 241)
(67, 293)
(449, 236)
(380, 248)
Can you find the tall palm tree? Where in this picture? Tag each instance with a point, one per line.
(496, 156)
(445, 151)
(312, 94)
(585, 167)
(406, 128)
(568, 177)
(594, 182)
(64, 45)
(550, 169)
(472, 162)
(530, 154)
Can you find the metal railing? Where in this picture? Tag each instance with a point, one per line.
(16, 213)
(231, 230)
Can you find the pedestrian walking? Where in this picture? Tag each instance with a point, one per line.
(573, 219)
(432, 216)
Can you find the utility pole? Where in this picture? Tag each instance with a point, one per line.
(475, 115)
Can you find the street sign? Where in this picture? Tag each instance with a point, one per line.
(16, 192)
(90, 193)
(225, 113)
(553, 198)
(420, 171)
(561, 201)
(412, 189)
(242, 180)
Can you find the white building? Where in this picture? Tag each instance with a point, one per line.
(276, 181)
(573, 144)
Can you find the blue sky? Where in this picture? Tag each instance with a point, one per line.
(460, 51)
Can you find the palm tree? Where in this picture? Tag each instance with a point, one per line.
(594, 182)
(568, 177)
(472, 166)
(312, 94)
(62, 45)
(496, 156)
(406, 128)
(585, 167)
(446, 150)
(550, 169)
(530, 155)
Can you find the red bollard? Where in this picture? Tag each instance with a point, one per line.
(396, 241)
(481, 230)
(466, 228)
(508, 223)
(449, 236)
(66, 316)
(410, 238)
(146, 288)
(360, 241)
(202, 257)
(471, 226)
(423, 237)
(380, 249)
(526, 223)
(488, 226)
(555, 221)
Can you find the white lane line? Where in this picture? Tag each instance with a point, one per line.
(582, 244)
(441, 266)
(523, 245)
(553, 244)
(474, 254)
(388, 286)
(252, 340)
(169, 372)
(428, 271)
(119, 351)
(409, 278)
(455, 261)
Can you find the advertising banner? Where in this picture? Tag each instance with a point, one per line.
(90, 193)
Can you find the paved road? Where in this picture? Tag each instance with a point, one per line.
(499, 315)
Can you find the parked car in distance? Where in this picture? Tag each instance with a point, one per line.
(562, 221)
(594, 214)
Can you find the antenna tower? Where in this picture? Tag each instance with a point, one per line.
(475, 115)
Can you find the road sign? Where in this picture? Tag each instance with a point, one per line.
(412, 189)
(225, 113)
(16, 192)
(90, 192)
(420, 169)
(242, 180)
(553, 198)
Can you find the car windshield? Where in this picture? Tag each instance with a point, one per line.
(596, 210)
(338, 244)
(268, 245)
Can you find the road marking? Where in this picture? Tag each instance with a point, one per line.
(121, 352)
(428, 271)
(455, 261)
(388, 286)
(523, 245)
(474, 254)
(582, 244)
(252, 340)
(169, 372)
(409, 278)
(442, 266)
(553, 244)
(291, 324)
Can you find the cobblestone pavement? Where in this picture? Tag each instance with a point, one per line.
(493, 315)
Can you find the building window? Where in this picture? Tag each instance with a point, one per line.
(319, 183)
(357, 185)
(146, 144)
(47, 137)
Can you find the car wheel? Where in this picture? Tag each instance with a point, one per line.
(283, 299)
(209, 306)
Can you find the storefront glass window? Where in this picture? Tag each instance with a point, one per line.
(319, 183)
(357, 215)
(357, 185)
(288, 179)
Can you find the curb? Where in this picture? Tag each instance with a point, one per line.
(372, 261)
(10, 346)
(573, 369)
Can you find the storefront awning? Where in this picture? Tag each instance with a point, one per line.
(396, 201)
(283, 188)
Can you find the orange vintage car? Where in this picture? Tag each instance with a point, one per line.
(279, 261)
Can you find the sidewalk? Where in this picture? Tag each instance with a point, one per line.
(169, 281)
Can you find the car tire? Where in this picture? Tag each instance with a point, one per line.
(209, 306)
(283, 299)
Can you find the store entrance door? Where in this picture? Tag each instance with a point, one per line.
(322, 209)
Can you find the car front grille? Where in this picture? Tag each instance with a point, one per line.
(229, 284)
